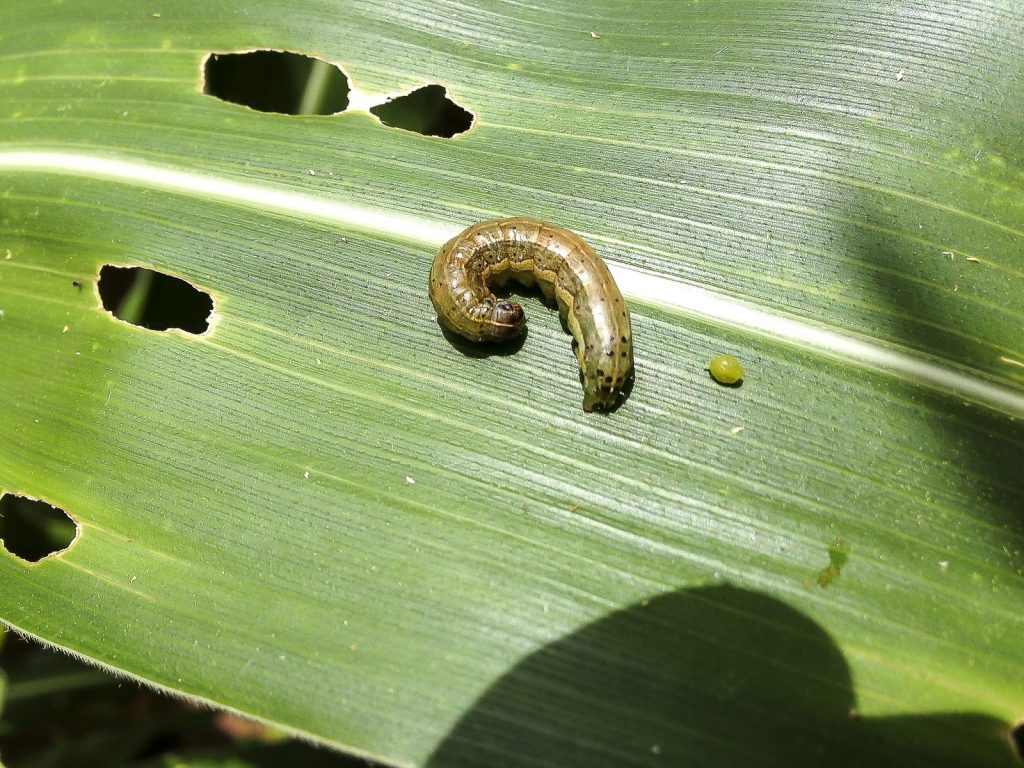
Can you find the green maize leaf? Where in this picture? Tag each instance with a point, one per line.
(325, 514)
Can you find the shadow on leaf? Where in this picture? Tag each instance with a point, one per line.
(716, 676)
(481, 350)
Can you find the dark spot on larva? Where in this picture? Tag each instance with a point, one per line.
(600, 372)
(610, 353)
(625, 353)
(608, 379)
(625, 340)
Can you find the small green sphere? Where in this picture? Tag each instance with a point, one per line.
(725, 369)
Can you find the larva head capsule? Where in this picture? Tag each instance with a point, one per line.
(508, 319)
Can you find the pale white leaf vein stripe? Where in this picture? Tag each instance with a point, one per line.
(635, 283)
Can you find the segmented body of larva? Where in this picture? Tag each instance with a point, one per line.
(568, 273)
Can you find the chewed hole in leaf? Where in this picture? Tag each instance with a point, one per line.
(277, 81)
(427, 110)
(154, 300)
(32, 530)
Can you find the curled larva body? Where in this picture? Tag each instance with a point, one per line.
(568, 273)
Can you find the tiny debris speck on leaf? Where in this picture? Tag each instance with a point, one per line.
(306, 474)
(838, 555)
(595, 35)
(409, 480)
(899, 75)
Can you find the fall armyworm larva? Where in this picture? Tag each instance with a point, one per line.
(567, 271)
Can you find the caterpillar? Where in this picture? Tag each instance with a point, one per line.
(569, 274)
